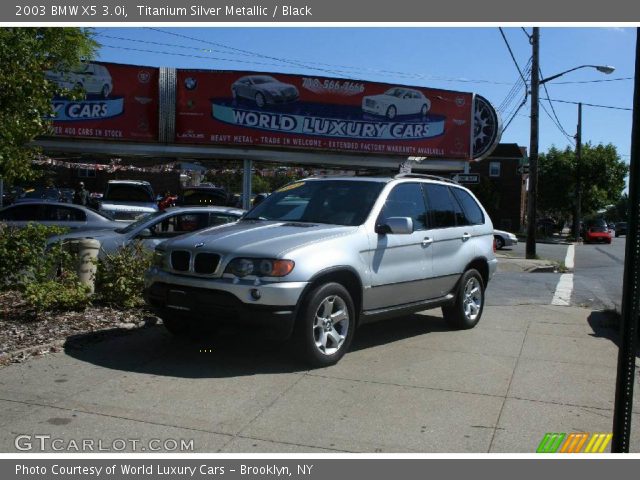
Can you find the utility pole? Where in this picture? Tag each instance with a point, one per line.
(625, 378)
(533, 145)
(577, 213)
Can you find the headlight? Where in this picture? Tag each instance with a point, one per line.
(158, 258)
(260, 267)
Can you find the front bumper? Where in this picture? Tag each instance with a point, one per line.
(493, 266)
(224, 301)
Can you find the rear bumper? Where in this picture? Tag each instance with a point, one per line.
(493, 266)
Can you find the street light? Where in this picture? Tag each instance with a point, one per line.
(533, 146)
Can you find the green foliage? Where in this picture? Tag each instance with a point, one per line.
(61, 293)
(120, 277)
(25, 94)
(602, 173)
(620, 211)
(46, 276)
(22, 254)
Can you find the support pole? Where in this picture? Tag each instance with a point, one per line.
(246, 185)
(577, 214)
(630, 288)
(533, 146)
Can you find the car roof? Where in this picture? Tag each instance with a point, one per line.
(36, 201)
(386, 178)
(130, 182)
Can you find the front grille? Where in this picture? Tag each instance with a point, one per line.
(369, 103)
(206, 263)
(180, 260)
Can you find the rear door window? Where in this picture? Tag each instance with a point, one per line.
(406, 200)
(54, 213)
(472, 210)
(441, 205)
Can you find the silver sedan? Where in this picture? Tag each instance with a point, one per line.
(155, 228)
(75, 217)
(504, 239)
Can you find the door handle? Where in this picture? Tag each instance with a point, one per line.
(427, 241)
(466, 236)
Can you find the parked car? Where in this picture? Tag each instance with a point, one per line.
(75, 217)
(93, 78)
(128, 200)
(203, 196)
(612, 228)
(504, 239)
(321, 256)
(597, 231)
(621, 228)
(155, 228)
(264, 90)
(397, 101)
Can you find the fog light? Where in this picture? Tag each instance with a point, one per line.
(255, 294)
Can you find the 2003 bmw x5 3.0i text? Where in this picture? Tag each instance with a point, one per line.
(321, 256)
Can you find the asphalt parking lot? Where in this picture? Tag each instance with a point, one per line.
(408, 385)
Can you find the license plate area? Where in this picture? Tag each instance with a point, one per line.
(179, 300)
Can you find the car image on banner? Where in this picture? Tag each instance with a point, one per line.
(121, 102)
(288, 111)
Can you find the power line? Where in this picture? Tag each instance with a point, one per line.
(590, 104)
(527, 34)
(558, 125)
(619, 79)
(544, 85)
(511, 53)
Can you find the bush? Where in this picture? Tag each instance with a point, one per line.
(62, 293)
(22, 254)
(120, 276)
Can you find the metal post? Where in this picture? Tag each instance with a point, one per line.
(533, 146)
(630, 288)
(577, 213)
(246, 185)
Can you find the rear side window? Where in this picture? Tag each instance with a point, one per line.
(405, 200)
(472, 210)
(441, 205)
(55, 213)
(22, 213)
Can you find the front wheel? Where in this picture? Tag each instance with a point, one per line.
(466, 310)
(391, 112)
(260, 101)
(325, 325)
(499, 242)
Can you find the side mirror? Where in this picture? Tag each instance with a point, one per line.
(145, 233)
(396, 225)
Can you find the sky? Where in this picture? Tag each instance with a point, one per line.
(468, 59)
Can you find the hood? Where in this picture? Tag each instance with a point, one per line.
(271, 239)
(97, 234)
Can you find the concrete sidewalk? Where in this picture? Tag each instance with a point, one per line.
(408, 385)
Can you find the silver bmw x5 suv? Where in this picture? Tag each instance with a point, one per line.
(321, 256)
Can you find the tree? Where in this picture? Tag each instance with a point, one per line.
(25, 94)
(602, 173)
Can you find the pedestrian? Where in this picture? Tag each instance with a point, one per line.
(81, 195)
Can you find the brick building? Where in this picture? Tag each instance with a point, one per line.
(502, 186)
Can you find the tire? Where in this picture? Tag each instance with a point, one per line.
(391, 112)
(234, 93)
(260, 101)
(105, 91)
(328, 308)
(424, 110)
(178, 326)
(499, 242)
(617, 235)
(466, 310)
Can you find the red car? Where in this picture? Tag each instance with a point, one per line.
(597, 233)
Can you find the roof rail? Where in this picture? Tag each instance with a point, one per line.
(424, 175)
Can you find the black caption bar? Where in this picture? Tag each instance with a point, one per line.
(347, 11)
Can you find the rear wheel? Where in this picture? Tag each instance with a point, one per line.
(466, 310)
(391, 112)
(499, 242)
(260, 101)
(325, 325)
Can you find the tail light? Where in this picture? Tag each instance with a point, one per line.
(494, 245)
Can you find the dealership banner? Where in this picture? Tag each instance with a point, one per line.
(121, 102)
(318, 113)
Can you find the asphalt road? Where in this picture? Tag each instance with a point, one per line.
(598, 275)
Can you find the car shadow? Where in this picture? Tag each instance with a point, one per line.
(606, 324)
(152, 350)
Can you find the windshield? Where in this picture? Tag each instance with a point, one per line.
(336, 202)
(260, 80)
(128, 193)
(140, 221)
